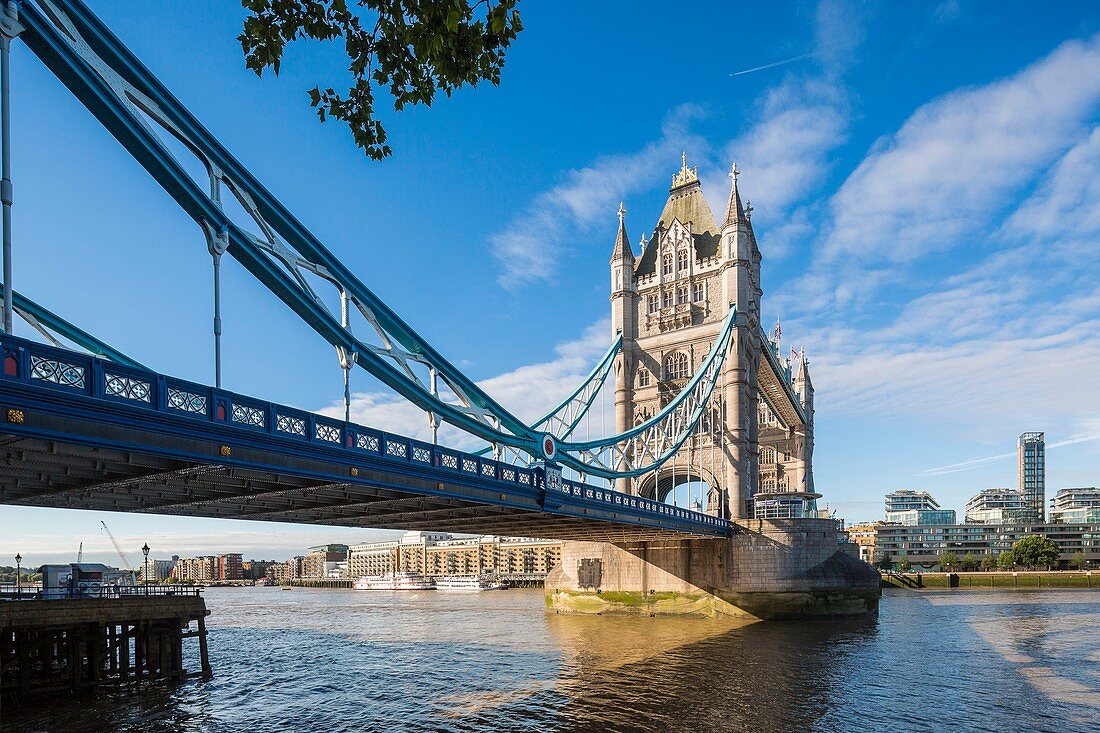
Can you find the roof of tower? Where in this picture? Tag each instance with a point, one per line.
(803, 374)
(686, 203)
(735, 212)
(622, 249)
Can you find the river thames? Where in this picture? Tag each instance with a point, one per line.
(325, 660)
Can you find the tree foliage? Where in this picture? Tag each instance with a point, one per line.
(904, 566)
(886, 562)
(1035, 551)
(411, 48)
(1006, 560)
(969, 561)
(1078, 561)
(989, 562)
(949, 560)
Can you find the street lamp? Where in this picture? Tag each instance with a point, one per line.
(145, 576)
(18, 575)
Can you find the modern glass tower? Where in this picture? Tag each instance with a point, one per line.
(1031, 473)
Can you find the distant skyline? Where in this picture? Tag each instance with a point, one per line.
(926, 185)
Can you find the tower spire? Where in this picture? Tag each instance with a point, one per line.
(622, 249)
(735, 212)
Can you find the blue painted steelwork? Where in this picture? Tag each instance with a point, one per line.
(780, 373)
(113, 84)
(38, 316)
(40, 379)
(568, 419)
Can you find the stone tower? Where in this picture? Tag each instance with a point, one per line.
(669, 303)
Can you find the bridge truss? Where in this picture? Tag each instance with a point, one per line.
(278, 250)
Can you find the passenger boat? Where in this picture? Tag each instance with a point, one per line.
(394, 581)
(469, 583)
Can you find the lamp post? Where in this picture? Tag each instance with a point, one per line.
(18, 575)
(145, 576)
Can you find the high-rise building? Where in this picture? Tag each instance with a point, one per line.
(1031, 473)
(229, 567)
(998, 506)
(1081, 505)
(916, 508)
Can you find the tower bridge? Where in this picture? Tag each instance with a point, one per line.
(702, 394)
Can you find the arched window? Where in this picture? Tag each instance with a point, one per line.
(643, 377)
(682, 261)
(767, 455)
(676, 366)
(666, 264)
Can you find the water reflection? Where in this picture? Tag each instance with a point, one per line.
(331, 661)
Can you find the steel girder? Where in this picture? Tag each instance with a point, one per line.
(126, 97)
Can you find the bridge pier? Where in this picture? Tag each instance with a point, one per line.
(768, 569)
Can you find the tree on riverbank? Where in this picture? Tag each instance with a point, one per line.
(1035, 551)
(886, 562)
(969, 561)
(1006, 561)
(410, 50)
(904, 566)
(949, 560)
(1078, 561)
(989, 562)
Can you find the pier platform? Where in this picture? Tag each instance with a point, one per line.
(71, 645)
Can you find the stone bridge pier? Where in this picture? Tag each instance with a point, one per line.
(768, 569)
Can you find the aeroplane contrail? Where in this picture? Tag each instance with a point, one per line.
(803, 57)
(776, 63)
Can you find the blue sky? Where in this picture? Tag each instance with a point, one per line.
(925, 192)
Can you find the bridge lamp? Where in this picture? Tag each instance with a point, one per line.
(18, 575)
(145, 577)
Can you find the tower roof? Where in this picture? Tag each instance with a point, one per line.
(686, 203)
(803, 374)
(735, 212)
(622, 249)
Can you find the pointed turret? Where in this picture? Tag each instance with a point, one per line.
(802, 381)
(735, 212)
(622, 251)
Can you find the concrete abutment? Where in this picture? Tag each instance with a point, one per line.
(768, 569)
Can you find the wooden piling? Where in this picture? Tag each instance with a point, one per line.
(84, 644)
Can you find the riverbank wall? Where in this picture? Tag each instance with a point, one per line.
(768, 569)
(1053, 579)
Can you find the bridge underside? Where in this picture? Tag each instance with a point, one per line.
(47, 473)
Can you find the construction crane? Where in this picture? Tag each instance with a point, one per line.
(121, 554)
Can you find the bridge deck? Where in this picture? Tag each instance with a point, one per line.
(85, 433)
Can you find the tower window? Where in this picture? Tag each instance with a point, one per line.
(676, 366)
(666, 264)
(697, 293)
(653, 303)
(643, 377)
(682, 296)
(666, 299)
(682, 260)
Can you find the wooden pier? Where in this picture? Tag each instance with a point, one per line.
(73, 645)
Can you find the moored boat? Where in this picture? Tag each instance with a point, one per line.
(394, 581)
(469, 583)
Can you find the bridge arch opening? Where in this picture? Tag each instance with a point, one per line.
(682, 486)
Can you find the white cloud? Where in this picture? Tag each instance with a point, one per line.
(527, 391)
(531, 246)
(956, 161)
(1067, 203)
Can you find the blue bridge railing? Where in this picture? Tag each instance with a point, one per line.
(81, 375)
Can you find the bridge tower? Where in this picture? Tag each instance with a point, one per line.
(669, 304)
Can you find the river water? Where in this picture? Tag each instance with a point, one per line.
(330, 660)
